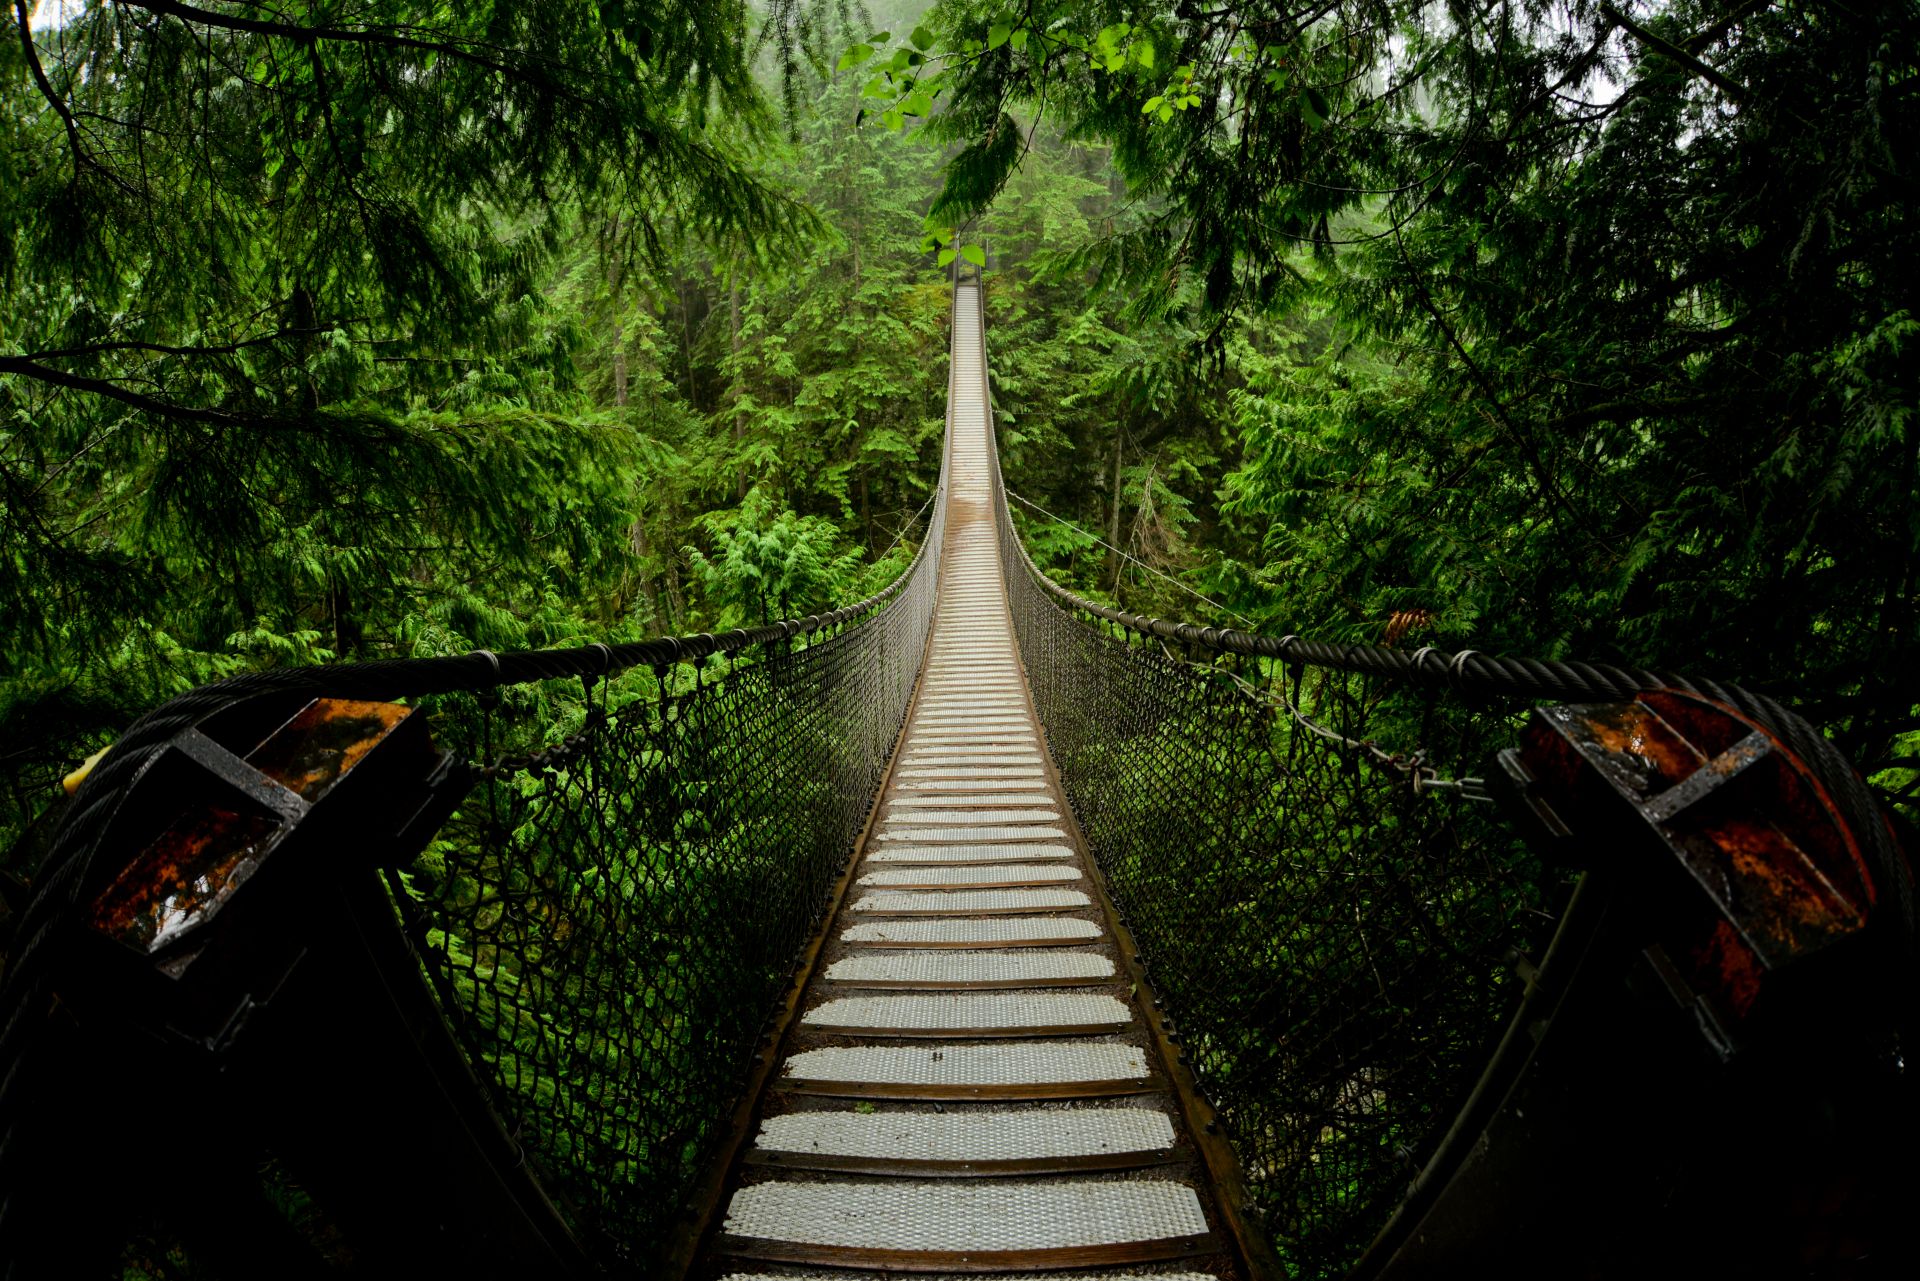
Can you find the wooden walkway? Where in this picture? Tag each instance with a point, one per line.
(971, 1085)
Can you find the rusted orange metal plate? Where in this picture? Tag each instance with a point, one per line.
(195, 866)
(1747, 822)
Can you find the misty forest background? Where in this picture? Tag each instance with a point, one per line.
(337, 329)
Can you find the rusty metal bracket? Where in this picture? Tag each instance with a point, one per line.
(1742, 866)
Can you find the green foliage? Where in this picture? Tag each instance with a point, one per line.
(408, 329)
(1561, 331)
(769, 566)
(407, 332)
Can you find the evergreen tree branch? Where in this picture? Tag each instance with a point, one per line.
(45, 85)
(24, 367)
(1523, 441)
(383, 38)
(169, 349)
(1704, 39)
(1673, 53)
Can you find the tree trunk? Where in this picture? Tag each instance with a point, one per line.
(733, 384)
(619, 365)
(1113, 520)
(346, 631)
(615, 283)
(866, 509)
(686, 337)
(637, 540)
(676, 606)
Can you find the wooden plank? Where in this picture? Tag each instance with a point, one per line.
(907, 1168)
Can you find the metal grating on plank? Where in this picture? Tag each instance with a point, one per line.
(965, 853)
(971, 780)
(1018, 737)
(947, 802)
(972, 834)
(1004, 874)
(969, 1136)
(981, 696)
(1020, 1063)
(984, 818)
(967, 1217)
(1013, 741)
(930, 969)
(962, 901)
(969, 1010)
(1005, 931)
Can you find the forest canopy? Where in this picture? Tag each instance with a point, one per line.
(344, 328)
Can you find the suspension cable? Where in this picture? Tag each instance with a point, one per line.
(1125, 556)
(911, 522)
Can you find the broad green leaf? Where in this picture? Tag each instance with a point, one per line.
(922, 38)
(946, 257)
(1144, 52)
(920, 104)
(974, 254)
(1018, 39)
(1153, 104)
(855, 56)
(998, 34)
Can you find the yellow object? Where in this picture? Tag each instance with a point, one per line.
(71, 783)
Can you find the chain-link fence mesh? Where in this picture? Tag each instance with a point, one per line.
(610, 914)
(1331, 945)
(1328, 944)
(608, 921)
(609, 929)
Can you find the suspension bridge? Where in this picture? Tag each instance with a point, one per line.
(975, 928)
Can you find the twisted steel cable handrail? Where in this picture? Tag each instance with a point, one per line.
(1104, 762)
(1471, 671)
(69, 871)
(1332, 948)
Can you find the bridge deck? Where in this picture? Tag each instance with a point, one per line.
(970, 1086)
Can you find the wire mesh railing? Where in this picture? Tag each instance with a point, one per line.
(1327, 943)
(610, 914)
(1337, 933)
(648, 834)
(610, 926)
(608, 919)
